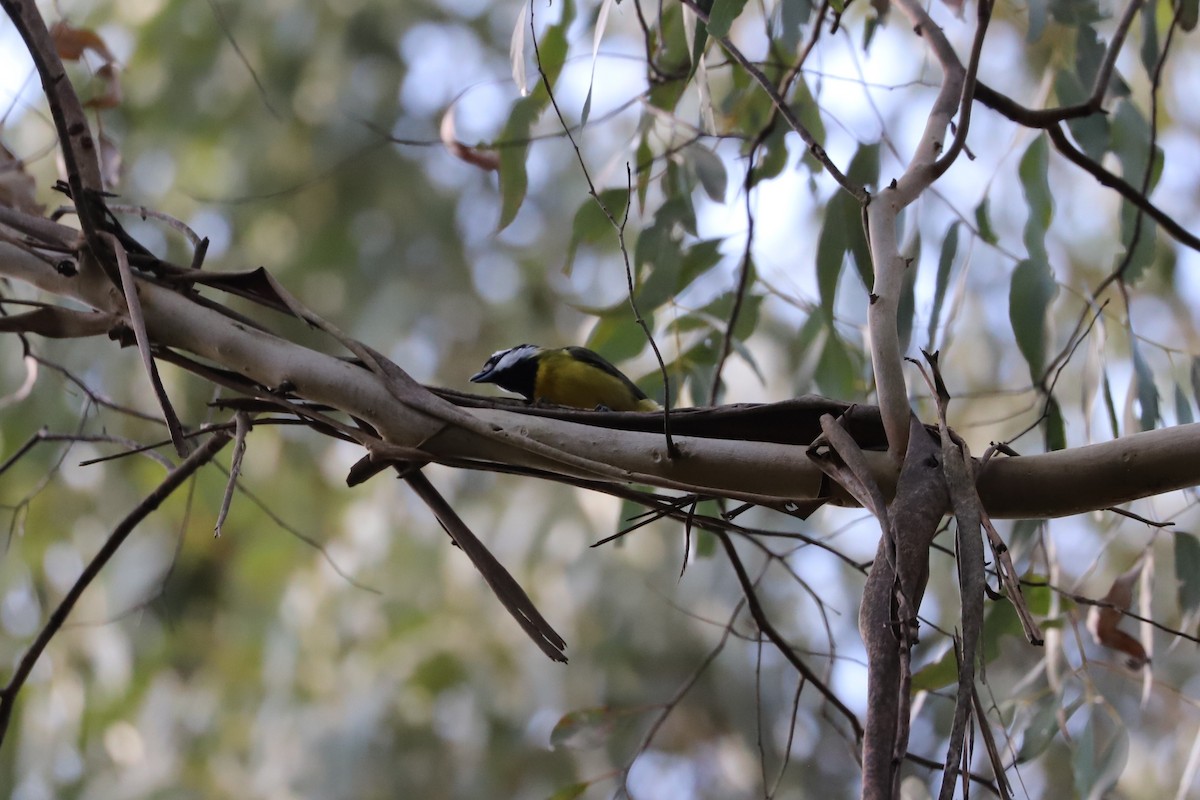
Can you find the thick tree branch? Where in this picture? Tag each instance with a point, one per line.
(914, 520)
(1056, 484)
(79, 148)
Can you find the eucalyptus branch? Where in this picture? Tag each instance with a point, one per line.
(1122, 187)
(79, 147)
(1148, 172)
(1051, 117)
(923, 169)
(984, 16)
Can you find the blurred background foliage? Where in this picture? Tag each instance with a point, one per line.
(331, 644)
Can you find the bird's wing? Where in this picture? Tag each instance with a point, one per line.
(597, 361)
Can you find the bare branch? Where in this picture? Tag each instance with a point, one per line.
(173, 480)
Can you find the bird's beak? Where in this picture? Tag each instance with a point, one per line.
(481, 376)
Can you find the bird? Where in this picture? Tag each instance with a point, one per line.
(564, 376)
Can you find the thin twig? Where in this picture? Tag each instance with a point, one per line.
(137, 322)
(785, 649)
(781, 105)
(672, 450)
(152, 501)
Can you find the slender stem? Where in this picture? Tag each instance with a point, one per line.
(173, 480)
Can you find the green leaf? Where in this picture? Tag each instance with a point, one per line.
(570, 791)
(983, 222)
(1189, 10)
(700, 38)
(1183, 407)
(1147, 392)
(1054, 427)
(1097, 759)
(1089, 53)
(936, 674)
(1111, 407)
(842, 232)
(864, 170)
(746, 355)
(720, 309)
(617, 337)
(1001, 621)
(723, 13)
(671, 277)
(660, 246)
(1029, 297)
(831, 254)
(1195, 376)
(1036, 185)
(773, 156)
(710, 169)
(1074, 13)
(552, 47)
(585, 728)
(837, 372)
(513, 179)
(438, 673)
(1023, 532)
(945, 263)
(1131, 143)
(1149, 49)
(1042, 727)
(591, 225)
(697, 365)
(514, 182)
(645, 167)
(793, 15)
(1187, 571)
(1037, 20)
(1092, 131)
(1139, 232)
(705, 542)
(808, 111)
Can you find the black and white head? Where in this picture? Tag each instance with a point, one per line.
(514, 369)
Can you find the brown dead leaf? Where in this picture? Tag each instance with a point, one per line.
(1103, 621)
(71, 43)
(484, 159)
(111, 81)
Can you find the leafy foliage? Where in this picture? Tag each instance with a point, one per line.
(642, 171)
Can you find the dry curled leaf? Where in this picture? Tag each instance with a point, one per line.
(1103, 621)
(484, 159)
(71, 43)
(110, 79)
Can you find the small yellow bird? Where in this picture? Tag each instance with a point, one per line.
(564, 376)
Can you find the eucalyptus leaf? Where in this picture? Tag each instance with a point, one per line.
(1030, 293)
(942, 282)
